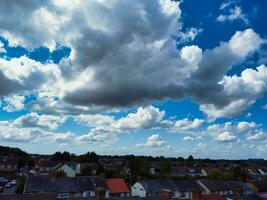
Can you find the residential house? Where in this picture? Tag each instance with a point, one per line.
(117, 188)
(154, 167)
(24, 171)
(91, 168)
(45, 166)
(39, 196)
(69, 171)
(224, 188)
(194, 172)
(178, 171)
(67, 187)
(259, 187)
(154, 188)
(185, 188)
(263, 171)
(137, 198)
(8, 167)
(211, 197)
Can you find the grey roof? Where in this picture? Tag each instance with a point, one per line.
(98, 182)
(137, 198)
(157, 185)
(67, 185)
(186, 185)
(85, 183)
(35, 184)
(220, 185)
(260, 185)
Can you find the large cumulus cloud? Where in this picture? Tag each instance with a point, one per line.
(123, 53)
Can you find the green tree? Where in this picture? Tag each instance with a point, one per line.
(20, 185)
(215, 174)
(165, 168)
(60, 173)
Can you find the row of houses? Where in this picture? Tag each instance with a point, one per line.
(100, 188)
(44, 166)
(74, 187)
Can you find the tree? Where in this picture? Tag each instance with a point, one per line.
(60, 173)
(190, 161)
(89, 157)
(237, 173)
(165, 168)
(20, 185)
(25, 161)
(58, 156)
(215, 174)
(190, 158)
(180, 159)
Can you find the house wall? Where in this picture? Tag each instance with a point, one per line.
(138, 190)
(183, 195)
(88, 194)
(69, 171)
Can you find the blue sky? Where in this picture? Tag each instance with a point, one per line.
(172, 78)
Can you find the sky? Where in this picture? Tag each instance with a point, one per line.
(154, 77)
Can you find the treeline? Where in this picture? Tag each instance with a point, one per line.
(23, 158)
(11, 152)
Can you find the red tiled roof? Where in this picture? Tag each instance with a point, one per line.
(212, 197)
(117, 185)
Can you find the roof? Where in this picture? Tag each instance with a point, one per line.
(39, 196)
(98, 182)
(35, 184)
(67, 184)
(186, 185)
(212, 197)
(260, 185)
(117, 185)
(47, 163)
(154, 164)
(85, 183)
(136, 198)
(154, 186)
(220, 185)
(71, 166)
(8, 161)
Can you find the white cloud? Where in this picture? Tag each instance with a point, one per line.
(257, 136)
(23, 74)
(132, 59)
(153, 141)
(145, 118)
(227, 4)
(225, 137)
(186, 124)
(189, 35)
(2, 49)
(63, 137)
(13, 103)
(148, 117)
(244, 127)
(42, 121)
(244, 90)
(188, 138)
(234, 14)
(245, 42)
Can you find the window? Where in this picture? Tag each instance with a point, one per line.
(182, 194)
(63, 196)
